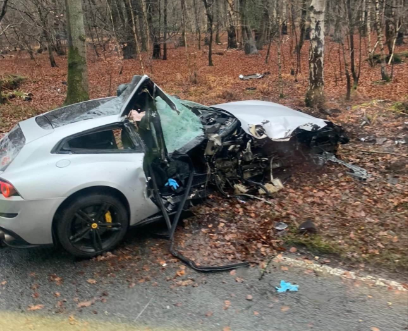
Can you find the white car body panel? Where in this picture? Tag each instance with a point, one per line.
(44, 192)
(278, 121)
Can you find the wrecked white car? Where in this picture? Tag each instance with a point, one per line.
(81, 175)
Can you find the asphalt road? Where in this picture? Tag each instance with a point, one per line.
(134, 291)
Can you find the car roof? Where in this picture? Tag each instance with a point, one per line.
(32, 131)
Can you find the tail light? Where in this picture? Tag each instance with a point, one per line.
(7, 189)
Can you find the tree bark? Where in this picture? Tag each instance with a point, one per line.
(368, 29)
(153, 11)
(197, 23)
(247, 36)
(208, 4)
(389, 24)
(232, 33)
(350, 19)
(380, 37)
(165, 30)
(264, 25)
(3, 9)
(315, 94)
(77, 65)
(183, 23)
(301, 38)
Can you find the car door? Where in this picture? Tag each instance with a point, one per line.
(110, 156)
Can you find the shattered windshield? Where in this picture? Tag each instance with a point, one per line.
(88, 110)
(178, 128)
(10, 145)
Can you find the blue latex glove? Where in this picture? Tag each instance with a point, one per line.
(173, 184)
(285, 287)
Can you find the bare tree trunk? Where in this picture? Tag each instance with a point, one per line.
(369, 50)
(350, 19)
(389, 24)
(264, 25)
(247, 36)
(135, 24)
(217, 22)
(197, 23)
(315, 94)
(347, 72)
(232, 33)
(208, 4)
(183, 23)
(3, 9)
(165, 29)
(384, 75)
(153, 11)
(145, 24)
(77, 66)
(280, 81)
(301, 38)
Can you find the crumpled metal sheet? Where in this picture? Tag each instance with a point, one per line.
(279, 122)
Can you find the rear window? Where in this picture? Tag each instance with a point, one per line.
(10, 145)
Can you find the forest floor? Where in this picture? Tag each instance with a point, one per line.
(362, 224)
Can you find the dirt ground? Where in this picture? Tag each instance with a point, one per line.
(363, 223)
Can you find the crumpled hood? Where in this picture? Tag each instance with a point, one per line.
(278, 121)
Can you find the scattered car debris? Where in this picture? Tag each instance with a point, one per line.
(252, 76)
(280, 226)
(358, 172)
(287, 287)
(308, 227)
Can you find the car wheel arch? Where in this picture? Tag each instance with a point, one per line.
(85, 191)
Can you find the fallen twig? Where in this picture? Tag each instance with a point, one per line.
(143, 309)
(263, 271)
(255, 197)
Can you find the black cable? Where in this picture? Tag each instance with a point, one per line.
(159, 199)
(176, 219)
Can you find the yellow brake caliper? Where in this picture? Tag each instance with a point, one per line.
(108, 218)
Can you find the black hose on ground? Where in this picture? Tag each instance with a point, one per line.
(176, 219)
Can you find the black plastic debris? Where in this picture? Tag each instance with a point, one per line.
(307, 227)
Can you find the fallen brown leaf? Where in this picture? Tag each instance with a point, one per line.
(227, 304)
(91, 281)
(293, 250)
(85, 304)
(285, 308)
(249, 297)
(35, 307)
(374, 329)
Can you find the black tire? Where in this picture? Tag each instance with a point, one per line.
(76, 229)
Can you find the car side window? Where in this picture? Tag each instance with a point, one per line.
(109, 140)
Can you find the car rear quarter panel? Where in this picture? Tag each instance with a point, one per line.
(40, 177)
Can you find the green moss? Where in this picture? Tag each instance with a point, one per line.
(314, 243)
(400, 107)
(11, 82)
(77, 86)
